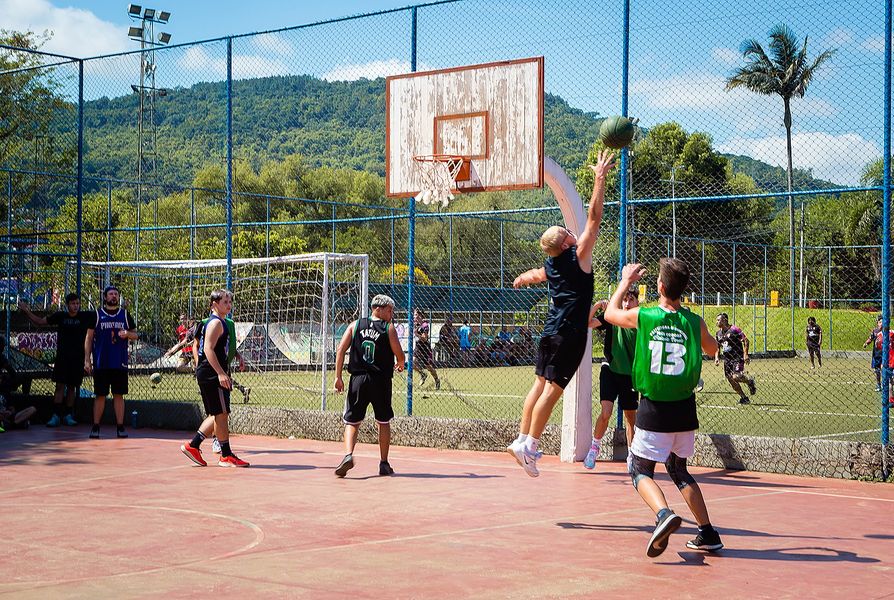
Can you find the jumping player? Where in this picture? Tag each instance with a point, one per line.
(615, 382)
(569, 270)
(733, 348)
(212, 375)
(105, 356)
(374, 346)
(814, 341)
(667, 366)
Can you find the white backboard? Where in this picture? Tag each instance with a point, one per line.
(490, 113)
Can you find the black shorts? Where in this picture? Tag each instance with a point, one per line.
(105, 379)
(363, 390)
(68, 372)
(215, 398)
(813, 349)
(614, 385)
(733, 368)
(559, 356)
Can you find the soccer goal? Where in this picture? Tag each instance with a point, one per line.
(289, 312)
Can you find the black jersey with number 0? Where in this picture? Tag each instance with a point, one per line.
(371, 349)
(570, 293)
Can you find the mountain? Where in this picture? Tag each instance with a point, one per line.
(772, 179)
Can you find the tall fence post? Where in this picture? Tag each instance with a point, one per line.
(229, 235)
(109, 221)
(80, 210)
(734, 283)
(766, 285)
(334, 214)
(623, 174)
(886, 240)
(703, 279)
(829, 299)
(8, 300)
(411, 251)
(450, 261)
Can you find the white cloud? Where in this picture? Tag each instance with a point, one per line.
(245, 66)
(371, 70)
(840, 36)
(874, 43)
(836, 158)
(727, 56)
(704, 95)
(275, 43)
(76, 32)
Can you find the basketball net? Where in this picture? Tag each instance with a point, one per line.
(438, 173)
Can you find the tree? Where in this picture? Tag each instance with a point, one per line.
(786, 73)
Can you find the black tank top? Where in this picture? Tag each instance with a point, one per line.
(204, 370)
(570, 293)
(371, 351)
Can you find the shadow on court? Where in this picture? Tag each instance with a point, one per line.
(134, 518)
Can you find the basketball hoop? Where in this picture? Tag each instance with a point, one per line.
(440, 172)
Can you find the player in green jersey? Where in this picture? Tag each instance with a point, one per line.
(670, 340)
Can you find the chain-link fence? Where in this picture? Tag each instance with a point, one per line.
(272, 144)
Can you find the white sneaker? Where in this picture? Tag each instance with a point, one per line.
(527, 460)
(590, 459)
(514, 447)
(215, 445)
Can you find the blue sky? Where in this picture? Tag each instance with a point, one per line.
(680, 57)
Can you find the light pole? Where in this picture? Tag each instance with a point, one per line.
(673, 182)
(144, 33)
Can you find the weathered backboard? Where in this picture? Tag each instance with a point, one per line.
(491, 113)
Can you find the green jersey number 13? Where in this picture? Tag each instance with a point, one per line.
(667, 358)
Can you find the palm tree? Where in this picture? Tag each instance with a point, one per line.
(786, 72)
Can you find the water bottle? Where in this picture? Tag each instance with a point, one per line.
(133, 419)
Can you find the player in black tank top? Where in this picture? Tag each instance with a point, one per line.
(569, 271)
(215, 384)
(373, 346)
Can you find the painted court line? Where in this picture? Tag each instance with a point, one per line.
(830, 435)
(545, 521)
(846, 496)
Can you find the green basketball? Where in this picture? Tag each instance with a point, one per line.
(617, 132)
(155, 379)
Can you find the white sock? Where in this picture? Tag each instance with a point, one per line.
(531, 444)
(597, 442)
(521, 438)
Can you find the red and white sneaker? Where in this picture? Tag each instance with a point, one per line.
(193, 454)
(231, 461)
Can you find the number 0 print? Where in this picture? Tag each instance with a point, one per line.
(369, 351)
(667, 358)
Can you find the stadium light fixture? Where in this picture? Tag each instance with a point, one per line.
(135, 32)
(164, 37)
(164, 16)
(134, 10)
(148, 13)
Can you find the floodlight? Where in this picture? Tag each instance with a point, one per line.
(164, 37)
(149, 13)
(134, 10)
(135, 32)
(164, 16)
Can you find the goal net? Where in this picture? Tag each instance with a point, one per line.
(290, 313)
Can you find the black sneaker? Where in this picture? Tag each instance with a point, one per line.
(385, 468)
(752, 387)
(94, 433)
(663, 530)
(706, 540)
(744, 400)
(121, 432)
(346, 464)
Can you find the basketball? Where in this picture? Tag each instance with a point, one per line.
(155, 379)
(617, 132)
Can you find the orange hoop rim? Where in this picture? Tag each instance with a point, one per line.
(439, 157)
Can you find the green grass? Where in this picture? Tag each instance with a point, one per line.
(836, 402)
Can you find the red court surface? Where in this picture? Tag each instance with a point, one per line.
(134, 519)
